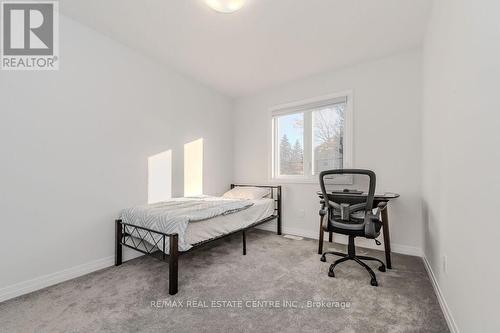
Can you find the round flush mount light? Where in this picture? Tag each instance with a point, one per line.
(225, 6)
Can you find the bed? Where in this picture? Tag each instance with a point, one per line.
(167, 230)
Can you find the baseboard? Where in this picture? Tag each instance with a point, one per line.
(367, 243)
(48, 280)
(452, 325)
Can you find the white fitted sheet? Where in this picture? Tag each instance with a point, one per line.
(207, 229)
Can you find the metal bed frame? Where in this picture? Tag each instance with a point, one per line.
(124, 232)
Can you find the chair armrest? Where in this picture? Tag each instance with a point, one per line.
(370, 225)
(322, 211)
(382, 205)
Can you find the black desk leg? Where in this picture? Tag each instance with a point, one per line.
(330, 237)
(321, 235)
(387, 238)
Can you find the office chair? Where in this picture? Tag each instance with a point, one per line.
(353, 217)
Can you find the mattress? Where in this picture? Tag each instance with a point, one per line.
(207, 229)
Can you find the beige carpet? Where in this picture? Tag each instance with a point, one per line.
(279, 286)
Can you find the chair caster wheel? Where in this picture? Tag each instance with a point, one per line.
(381, 268)
(323, 259)
(331, 274)
(374, 282)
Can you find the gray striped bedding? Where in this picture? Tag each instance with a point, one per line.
(174, 215)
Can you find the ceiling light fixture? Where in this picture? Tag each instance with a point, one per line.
(225, 6)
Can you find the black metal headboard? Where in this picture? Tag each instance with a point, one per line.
(275, 194)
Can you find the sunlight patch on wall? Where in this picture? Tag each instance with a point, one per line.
(193, 168)
(160, 177)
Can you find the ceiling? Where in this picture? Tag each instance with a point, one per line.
(266, 43)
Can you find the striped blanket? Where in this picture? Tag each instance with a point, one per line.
(173, 216)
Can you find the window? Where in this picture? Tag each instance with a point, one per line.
(312, 136)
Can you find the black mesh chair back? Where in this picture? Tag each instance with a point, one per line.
(347, 214)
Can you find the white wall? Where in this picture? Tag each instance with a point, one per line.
(75, 144)
(461, 160)
(387, 139)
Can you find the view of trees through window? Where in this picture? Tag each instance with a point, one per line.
(327, 140)
(291, 149)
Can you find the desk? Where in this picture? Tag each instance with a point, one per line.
(355, 197)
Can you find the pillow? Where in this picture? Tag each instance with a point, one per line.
(247, 192)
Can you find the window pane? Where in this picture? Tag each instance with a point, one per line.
(291, 144)
(328, 137)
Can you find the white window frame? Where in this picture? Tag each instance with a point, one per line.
(307, 106)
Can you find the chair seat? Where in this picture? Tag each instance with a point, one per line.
(355, 227)
(348, 225)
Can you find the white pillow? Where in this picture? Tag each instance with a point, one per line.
(247, 192)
